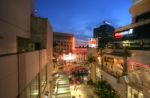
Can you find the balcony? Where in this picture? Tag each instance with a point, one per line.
(141, 44)
(139, 79)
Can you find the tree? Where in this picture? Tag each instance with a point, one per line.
(104, 90)
(126, 55)
(91, 59)
(92, 67)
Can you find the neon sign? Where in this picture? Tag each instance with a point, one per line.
(119, 35)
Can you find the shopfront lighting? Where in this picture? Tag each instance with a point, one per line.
(69, 57)
(35, 92)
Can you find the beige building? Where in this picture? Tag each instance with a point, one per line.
(25, 51)
(63, 43)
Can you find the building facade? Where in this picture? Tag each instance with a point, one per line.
(104, 34)
(25, 61)
(81, 53)
(63, 43)
(125, 61)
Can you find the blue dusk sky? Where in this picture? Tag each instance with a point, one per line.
(79, 17)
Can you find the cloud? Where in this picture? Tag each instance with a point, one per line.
(80, 17)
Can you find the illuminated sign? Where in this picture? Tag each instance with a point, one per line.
(119, 35)
(130, 31)
(68, 57)
(92, 43)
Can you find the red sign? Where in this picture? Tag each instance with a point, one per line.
(92, 43)
(118, 36)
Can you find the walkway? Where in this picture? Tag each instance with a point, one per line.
(82, 91)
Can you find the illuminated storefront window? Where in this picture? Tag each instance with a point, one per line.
(133, 93)
(98, 72)
(113, 65)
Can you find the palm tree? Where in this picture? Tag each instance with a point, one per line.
(91, 61)
(126, 55)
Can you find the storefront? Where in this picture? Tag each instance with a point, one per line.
(113, 64)
(133, 93)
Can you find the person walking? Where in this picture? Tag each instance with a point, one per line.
(79, 96)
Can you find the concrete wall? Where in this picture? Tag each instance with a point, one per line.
(8, 77)
(140, 8)
(49, 42)
(49, 56)
(14, 21)
(43, 58)
(28, 68)
(30, 65)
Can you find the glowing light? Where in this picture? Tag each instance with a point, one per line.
(121, 34)
(126, 43)
(126, 32)
(35, 92)
(118, 36)
(99, 60)
(69, 57)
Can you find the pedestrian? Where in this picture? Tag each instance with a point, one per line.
(76, 88)
(79, 96)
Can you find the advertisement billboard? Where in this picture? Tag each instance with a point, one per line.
(93, 43)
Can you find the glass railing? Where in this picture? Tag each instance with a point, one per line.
(32, 90)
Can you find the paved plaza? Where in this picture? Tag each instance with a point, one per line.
(82, 91)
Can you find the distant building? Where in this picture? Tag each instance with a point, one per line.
(41, 32)
(81, 53)
(63, 43)
(93, 43)
(104, 34)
